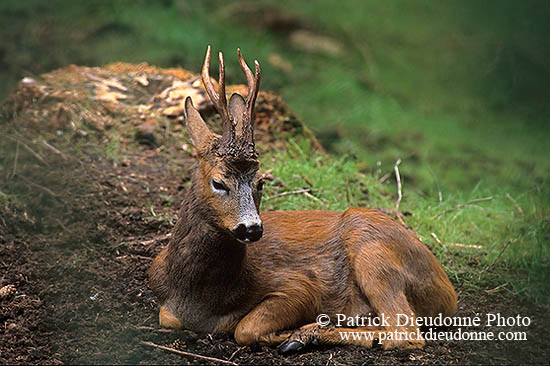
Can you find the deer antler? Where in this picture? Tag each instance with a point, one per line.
(253, 85)
(218, 99)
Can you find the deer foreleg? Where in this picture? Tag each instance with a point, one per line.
(269, 321)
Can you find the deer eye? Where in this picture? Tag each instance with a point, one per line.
(219, 187)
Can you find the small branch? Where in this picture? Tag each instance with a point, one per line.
(398, 215)
(329, 359)
(348, 195)
(436, 238)
(134, 256)
(499, 254)
(496, 289)
(472, 246)
(279, 180)
(3, 221)
(52, 148)
(399, 192)
(398, 179)
(515, 203)
(62, 225)
(160, 330)
(36, 155)
(307, 194)
(188, 354)
(15, 161)
(298, 191)
(306, 179)
(45, 189)
(384, 178)
(158, 238)
(462, 205)
(234, 353)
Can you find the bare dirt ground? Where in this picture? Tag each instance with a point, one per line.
(95, 206)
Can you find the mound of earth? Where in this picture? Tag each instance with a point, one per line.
(94, 162)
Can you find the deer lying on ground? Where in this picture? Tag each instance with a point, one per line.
(266, 277)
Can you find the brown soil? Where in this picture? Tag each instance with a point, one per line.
(93, 207)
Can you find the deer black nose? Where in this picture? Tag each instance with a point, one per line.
(248, 232)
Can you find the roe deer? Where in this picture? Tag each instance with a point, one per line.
(266, 277)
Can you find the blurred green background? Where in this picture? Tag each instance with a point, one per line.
(458, 90)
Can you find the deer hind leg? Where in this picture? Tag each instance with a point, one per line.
(383, 284)
(395, 335)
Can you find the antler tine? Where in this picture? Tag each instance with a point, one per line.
(218, 99)
(257, 76)
(221, 80)
(206, 77)
(253, 83)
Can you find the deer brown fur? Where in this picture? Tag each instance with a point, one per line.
(265, 277)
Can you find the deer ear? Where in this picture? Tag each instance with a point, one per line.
(197, 129)
(238, 110)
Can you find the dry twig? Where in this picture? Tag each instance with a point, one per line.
(348, 195)
(307, 194)
(15, 161)
(45, 189)
(188, 354)
(36, 155)
(389, 211)
(3, 221)
(399, 192)
(329, 359)
(472, 246)
(160, 330)
(496, 289)
(55, 150)
(236, 351)
(462, 205)
(515, 203)
(298, 191)
(398, 179)
(436, 238)
(384, 178)
(158, 238)
(499, 254)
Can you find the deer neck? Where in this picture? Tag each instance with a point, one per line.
(201, 252)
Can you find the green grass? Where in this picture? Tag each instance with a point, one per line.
(457, 90)
(334, 183)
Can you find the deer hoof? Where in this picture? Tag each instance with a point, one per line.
(290, 346)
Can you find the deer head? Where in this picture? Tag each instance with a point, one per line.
(227, 178)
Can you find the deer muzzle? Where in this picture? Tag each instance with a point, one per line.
(248, 232)
(249, 225)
